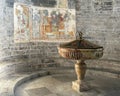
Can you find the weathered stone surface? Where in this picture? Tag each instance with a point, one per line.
(101, 24)
(60, 85)
(100, 27)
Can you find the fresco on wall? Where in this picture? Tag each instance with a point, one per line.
(58, 24)
(21, 23)
(38, 23)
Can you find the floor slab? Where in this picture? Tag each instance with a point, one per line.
(61, 85)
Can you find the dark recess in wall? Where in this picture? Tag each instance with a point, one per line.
(10, 3)
(44, 3)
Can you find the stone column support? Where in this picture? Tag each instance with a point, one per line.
(80, 69)
(79, 85)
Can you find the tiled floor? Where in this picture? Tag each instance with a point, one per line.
(60, 85)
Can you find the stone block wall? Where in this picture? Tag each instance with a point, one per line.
(99, 21)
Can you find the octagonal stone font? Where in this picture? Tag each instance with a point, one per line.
(80, 50)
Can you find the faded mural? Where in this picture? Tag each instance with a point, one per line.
(38, 23)
(21, 25)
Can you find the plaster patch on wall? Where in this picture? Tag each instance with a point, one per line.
(62, 3)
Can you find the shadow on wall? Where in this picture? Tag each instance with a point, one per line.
(45, 3)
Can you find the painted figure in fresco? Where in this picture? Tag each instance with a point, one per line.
(55, 21)
(66, 19)
(22, 22)
(61, 24)
(46, 25)
(45, 17)
(36, 19)
(69, 24)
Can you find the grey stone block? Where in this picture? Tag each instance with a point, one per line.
(38, 91)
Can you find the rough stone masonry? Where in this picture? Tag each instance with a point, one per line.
(99, 20)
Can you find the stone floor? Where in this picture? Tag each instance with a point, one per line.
(60, 85)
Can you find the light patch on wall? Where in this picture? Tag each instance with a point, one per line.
(40, 23)
(62, 3)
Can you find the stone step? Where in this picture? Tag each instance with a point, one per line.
(104, 65)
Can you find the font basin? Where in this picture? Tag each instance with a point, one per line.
(80, 49)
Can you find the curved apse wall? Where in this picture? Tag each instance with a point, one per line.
(29, 55)
(99, 23)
